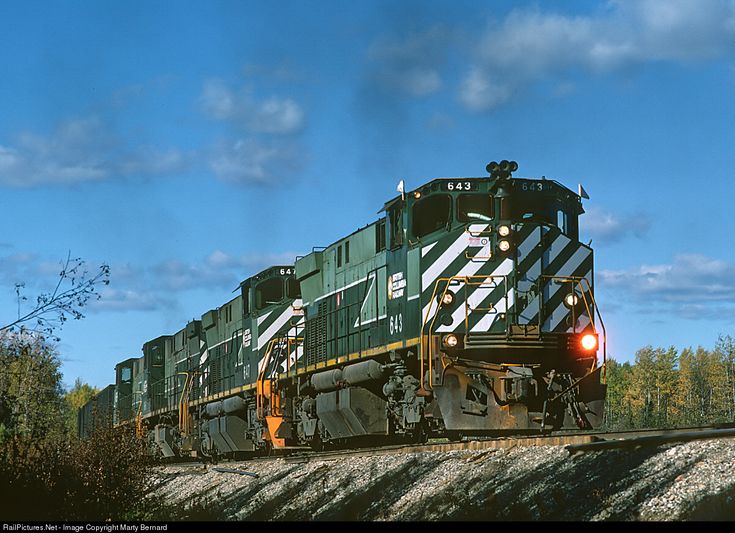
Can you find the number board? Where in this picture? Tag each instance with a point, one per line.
(460, 185)
(530, 186)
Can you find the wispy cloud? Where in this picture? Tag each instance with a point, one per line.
(273, 114)
(266, 150)
(531, 44)
(256, 162)
(157, 286)
(410, 64)
(137, 288)
(81, 150)
(693, 286)
(607, 227)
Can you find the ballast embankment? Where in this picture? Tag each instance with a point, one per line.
(688, 481)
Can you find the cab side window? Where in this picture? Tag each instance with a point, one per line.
(396, 228)
(430, 214)
(293, 288)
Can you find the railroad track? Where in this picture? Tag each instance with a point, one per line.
(578, 442)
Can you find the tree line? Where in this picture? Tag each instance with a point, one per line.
(667, 388)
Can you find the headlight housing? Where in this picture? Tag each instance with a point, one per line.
(450, 340)
(448, 298)
(504, 245)
(503, 230)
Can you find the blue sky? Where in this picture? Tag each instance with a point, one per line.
(189, 145)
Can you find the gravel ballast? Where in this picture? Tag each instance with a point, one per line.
(688, 481)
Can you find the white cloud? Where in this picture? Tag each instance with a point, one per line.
(479, 91)
(607, 227)
(253, 161)
(80, 150)
(250, 262)
(691, 286)
(529, 44)
(156, 286)
(129, 300)
(273, 115)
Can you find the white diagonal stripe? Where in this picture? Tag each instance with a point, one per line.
(567, 269)
(426, 249)
(556, 247)
(583, 321)
(561, 312)
(449, 255)
(262, 318)
(476, 298)
(487, 321)
(365, 301)
(264, 337)
(529, 243)
(552, 288)
(469, 269)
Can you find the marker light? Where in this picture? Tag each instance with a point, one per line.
(450, 340)
(504, 246)
(417, 194)
(448, 298)
(570, 300)
(589, 342)
(504, 230)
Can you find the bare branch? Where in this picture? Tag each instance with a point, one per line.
(75, 286)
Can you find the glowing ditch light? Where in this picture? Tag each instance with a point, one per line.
(571, 300)
(589, 342)
(448, 298)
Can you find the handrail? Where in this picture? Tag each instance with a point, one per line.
(184, 425)
(452, 279)
(426, 352)
(260, 393)
(590, 312)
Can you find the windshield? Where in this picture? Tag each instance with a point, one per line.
(474, 208)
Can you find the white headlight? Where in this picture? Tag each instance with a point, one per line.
(503, 231)
(571, 300)
(504, 246)
(448, 298)
(450, 341)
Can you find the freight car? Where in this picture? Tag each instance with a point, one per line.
(467, 308)
(97, 413)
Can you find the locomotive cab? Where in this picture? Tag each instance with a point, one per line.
(507, 302)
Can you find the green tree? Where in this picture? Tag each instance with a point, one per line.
(652, 386)
(31, 395)
(75, 399)
(618, 412)
(640, 392)
(725, 347)
(665, 379)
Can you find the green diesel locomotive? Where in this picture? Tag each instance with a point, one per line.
(466, 309)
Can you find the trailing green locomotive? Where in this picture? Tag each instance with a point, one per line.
(467, 309)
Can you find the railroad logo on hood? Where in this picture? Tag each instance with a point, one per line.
(396, 285)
